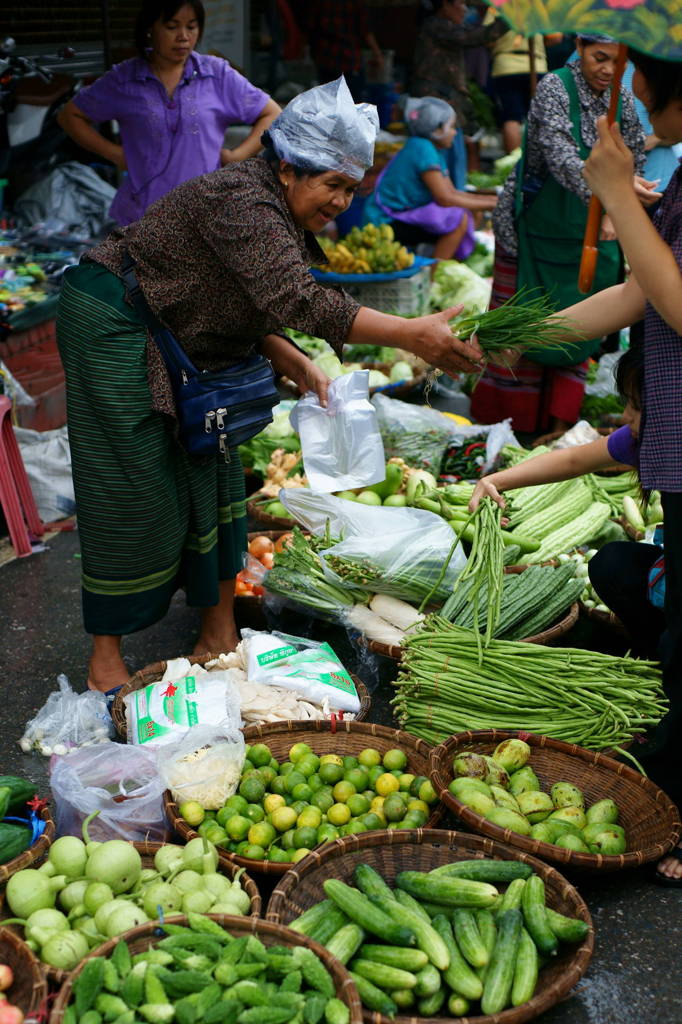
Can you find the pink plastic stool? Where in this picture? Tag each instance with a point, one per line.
(16, 497)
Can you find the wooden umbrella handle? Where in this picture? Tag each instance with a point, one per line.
(588, 262)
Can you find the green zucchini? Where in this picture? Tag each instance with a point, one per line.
(426, 936)
(458, 1006)
(458, 975)
(382, 975)
(22, 791)
(372, 997)
(567, 929)
(403, 997)
(525, 970)
(346, 942)
(411, 903)
(395, 956)
(500, 977)
(468, 937)
(456, 892)
(363, 912)
(14, 839)
(429, 1006)
(307, 921)
(484, 870)
(428, 981)
(511, 899)
(535, 916)
(325, 929)
(371, 883)
(487, 929)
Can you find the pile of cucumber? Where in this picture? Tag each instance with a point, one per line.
(445, 941)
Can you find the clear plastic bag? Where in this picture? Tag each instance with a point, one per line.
(119, 781)
(415, 433)
(68, 720)
(183, 699)
(497, 435)
(341, 445)
(205, 765)
(397, 551)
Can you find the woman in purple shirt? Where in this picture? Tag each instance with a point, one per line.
(172, 106)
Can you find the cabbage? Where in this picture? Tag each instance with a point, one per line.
(453, 282)
(400, 371)
(280, 426)
(377, 379)
(330, 364)
(506, 164)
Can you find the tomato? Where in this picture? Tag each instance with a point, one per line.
(258, 591)
(284, 541)
(243, 589)
(267, 559)
(259, 546)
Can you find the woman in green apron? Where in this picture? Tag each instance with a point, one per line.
(539, 226)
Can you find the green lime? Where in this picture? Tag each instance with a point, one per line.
(224, 814)
(215, 834)
(277, 856)
(369, 757)
(359, 777)
(302, 792)
(252, 789)
(261, 834)
(394, 808)
(299, 805)
(284, 818)
(374, 774)
(286, 767)
(272, 801)
(372, 821)
(267, 774)
(287, 839)
(416, 819)
(368, 794)
(418, 805)
(311, 817)
(305, 837)
(330, 773)
(294, 778)
(357, 804)
(274, 764)
(331, 759)
(342, 790)
(338, 814)
(326, 833)
(299, 854)
(323, 799)
(255, 812)
(237, 827)
(279, 785)
(259, 754)
(414, 788)
(308, 764)
(192, 812)
(427, 793)
(394, 760)
(406, 781)
(349, 762)
(315, 782)
(355, 826)
(205, 826)
(298, 751)
(241, 848)
(254, 852)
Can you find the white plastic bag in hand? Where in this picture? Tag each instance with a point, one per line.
(341, 445)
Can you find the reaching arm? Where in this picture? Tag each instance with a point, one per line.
(252, 144)
(82, 130)
(544, 469)
(608, 172)
(428, 337)
(605, 312)
(445, 194)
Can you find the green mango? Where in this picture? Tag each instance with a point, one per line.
(604, 811)
(593, 828)
(608, 842)
(560, 828)
(568, 841)
(495, 774)
(464, 783)
(512, 754)
(573, 815)
(535, 805)
(565, 794)
(509, 819)
(522, 780)
(504, 799)
(542, 832)
(471, 765)
(477, 802)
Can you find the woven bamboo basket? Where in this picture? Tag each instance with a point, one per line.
(255, 508)
(609, 620)
(423, 850)
(146, 850)
(30, 858)
(29, 988)
(650, 819)
(547, 636)
(146, 936)
(344, 738)
(152, 674)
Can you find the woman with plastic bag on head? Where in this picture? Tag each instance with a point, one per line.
(222, 262)
(415, 194)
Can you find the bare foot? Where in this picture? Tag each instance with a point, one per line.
(670, 866)
(216, 643)
(105, 677)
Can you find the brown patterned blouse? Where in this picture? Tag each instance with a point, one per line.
(222, 263)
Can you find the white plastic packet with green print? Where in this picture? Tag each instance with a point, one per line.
(296, 663)
(164, 711)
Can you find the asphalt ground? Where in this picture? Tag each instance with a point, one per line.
(635, 976)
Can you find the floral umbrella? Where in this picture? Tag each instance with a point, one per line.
(651, 26)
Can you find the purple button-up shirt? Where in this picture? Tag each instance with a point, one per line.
(661, 429)
(168, 140)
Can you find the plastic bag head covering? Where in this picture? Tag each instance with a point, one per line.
(589, 40)
(324, 129)
(426, 115)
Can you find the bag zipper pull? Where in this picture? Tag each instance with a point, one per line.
(208, 421)
(220, 422)
(222, 444)
(185, 378)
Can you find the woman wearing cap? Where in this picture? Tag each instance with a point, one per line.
(415, 194)
(539, 226)
(172, 105)
(223, 262)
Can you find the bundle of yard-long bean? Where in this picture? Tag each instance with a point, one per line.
(526, 320)
(595, 700)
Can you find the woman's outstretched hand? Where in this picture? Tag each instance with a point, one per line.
(289, 361)
(485, 489)
(435, 343)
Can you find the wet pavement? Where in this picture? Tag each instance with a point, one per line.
(635, 976)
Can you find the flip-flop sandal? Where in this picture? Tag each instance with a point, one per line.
(661, 879)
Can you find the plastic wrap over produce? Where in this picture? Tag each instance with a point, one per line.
(396, 551)
(341, 445)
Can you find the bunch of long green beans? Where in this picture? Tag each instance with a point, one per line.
(526, 320)
(594, 700)
(421, 579)
(298, 575)
(484, 568)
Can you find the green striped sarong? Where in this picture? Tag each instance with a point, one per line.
(151, 518)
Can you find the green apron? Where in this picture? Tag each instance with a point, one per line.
(551, 227)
